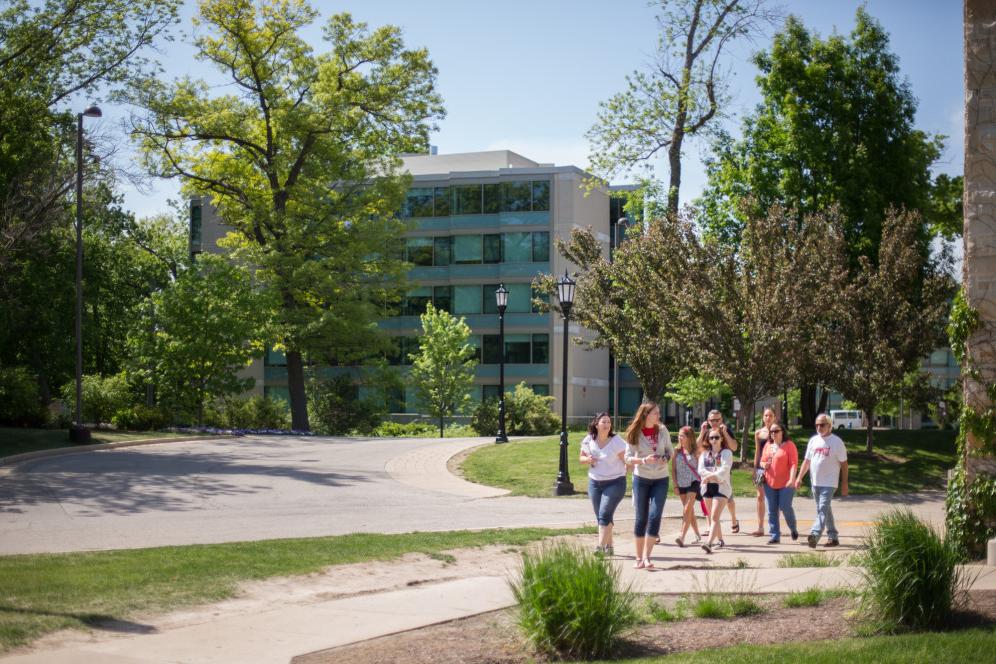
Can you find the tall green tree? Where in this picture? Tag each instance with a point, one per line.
(443, 370)
(835, 126)
(199, 333)
(52, 54)
(680, 95)
(301, 156)
(890, 316)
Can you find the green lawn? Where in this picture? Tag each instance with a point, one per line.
(16, 441)
(44, 593)
(904, 461)
(970, 645)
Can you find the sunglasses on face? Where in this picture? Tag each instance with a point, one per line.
(776, 430)
(714, 438)
(822, 424)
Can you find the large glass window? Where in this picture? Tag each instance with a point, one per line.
(418, 202)
(442, 202)
(492, 248)
(467, 249)
(488, 297)
(442, 298)
(491, 392)
(419, 250)
(541, 247)
(275, 358)
(519, 298)
(492, 198)
(474, 341)
(541, 349)
(516, 196)
(490, 349)
(518, 248)
(541, 388)
(517, 349)
(416, 300)
(442, 250)
(195, 229)
(467, 199)
(541, 195)
(466, 299)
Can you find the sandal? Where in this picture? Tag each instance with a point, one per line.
(680, 541)
(757, 533)
(736, 527)
(638, 564)
(647, 564)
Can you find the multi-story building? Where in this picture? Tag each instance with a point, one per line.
(478, 220)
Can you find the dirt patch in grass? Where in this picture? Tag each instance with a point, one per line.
(493, 638)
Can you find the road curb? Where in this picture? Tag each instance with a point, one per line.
(13, 459)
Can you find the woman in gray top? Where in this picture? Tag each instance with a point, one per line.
(648, 451)
(687, 484)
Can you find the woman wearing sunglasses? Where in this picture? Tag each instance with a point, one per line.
(780, 459)
(715, 463)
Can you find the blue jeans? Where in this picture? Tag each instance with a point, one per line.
(605, 496)
(824, 514)
(779, 499)
(649, 497)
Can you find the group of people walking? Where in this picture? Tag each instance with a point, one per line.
(700, 472)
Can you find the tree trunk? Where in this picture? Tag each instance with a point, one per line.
(807, 405)
(674, 166)
(442, 431)
(824, 398)
(870, 414)
(295, 388)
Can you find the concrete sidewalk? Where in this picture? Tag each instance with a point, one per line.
(279, 634)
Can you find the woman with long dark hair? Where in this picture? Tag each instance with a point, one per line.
(648, 451)
(715, 463)
(603, 451)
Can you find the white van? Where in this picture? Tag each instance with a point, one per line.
(845, 419)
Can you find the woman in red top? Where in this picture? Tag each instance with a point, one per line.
(780, 459)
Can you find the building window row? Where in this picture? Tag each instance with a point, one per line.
(519, 196)
(477, 249)
(470, 299)
(519, 349)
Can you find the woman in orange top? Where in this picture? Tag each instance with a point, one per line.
(780, 459)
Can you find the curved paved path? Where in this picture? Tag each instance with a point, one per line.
(254, 488)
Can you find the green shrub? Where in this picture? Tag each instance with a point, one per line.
(256, 412)
(744, 605)
(808, 559)
(660, 613)
(20, 400)
(912, 579)
(336, 409)
(571, 603)
(711, 606)
(141, 418)
(807, 597)
(526, 414)
(406, 430)
(103, 396)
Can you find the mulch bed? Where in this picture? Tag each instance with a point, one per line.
(493, 638)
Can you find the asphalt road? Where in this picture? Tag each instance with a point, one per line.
(242, 489)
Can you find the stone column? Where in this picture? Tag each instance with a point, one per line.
(980, 208)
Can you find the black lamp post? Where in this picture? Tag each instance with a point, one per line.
(785, 407)
(621, 224)
(79, 433)
(565, 291)
(501, 297)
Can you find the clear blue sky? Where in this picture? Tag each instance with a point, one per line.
(528, 75)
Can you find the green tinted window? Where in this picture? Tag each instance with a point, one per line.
(541, 195)
(492, 198)
(519, 300)
(488, 297)
(541, 349)
(442, 298)
(468, 199)
(492, 248)
(517, 348)
(466, 249)
(518, 248)
(541, 247)
(516, 196)
(466, 299)
(442, 250)
(442, 202)
(419, 250)
(418, 202)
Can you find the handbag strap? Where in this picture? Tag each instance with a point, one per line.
(684, 457)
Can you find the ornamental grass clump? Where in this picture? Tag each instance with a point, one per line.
(571, 603)
(912, 578)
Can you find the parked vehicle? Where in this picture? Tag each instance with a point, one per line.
(846, 419)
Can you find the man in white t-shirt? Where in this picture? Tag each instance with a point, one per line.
(827, 456)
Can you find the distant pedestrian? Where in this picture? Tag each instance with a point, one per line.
(714, 421)
(715, 463)
(827, 456)
(779, 459)
(649, 450)
(603, 451)
(687, 484)
(760, 440)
